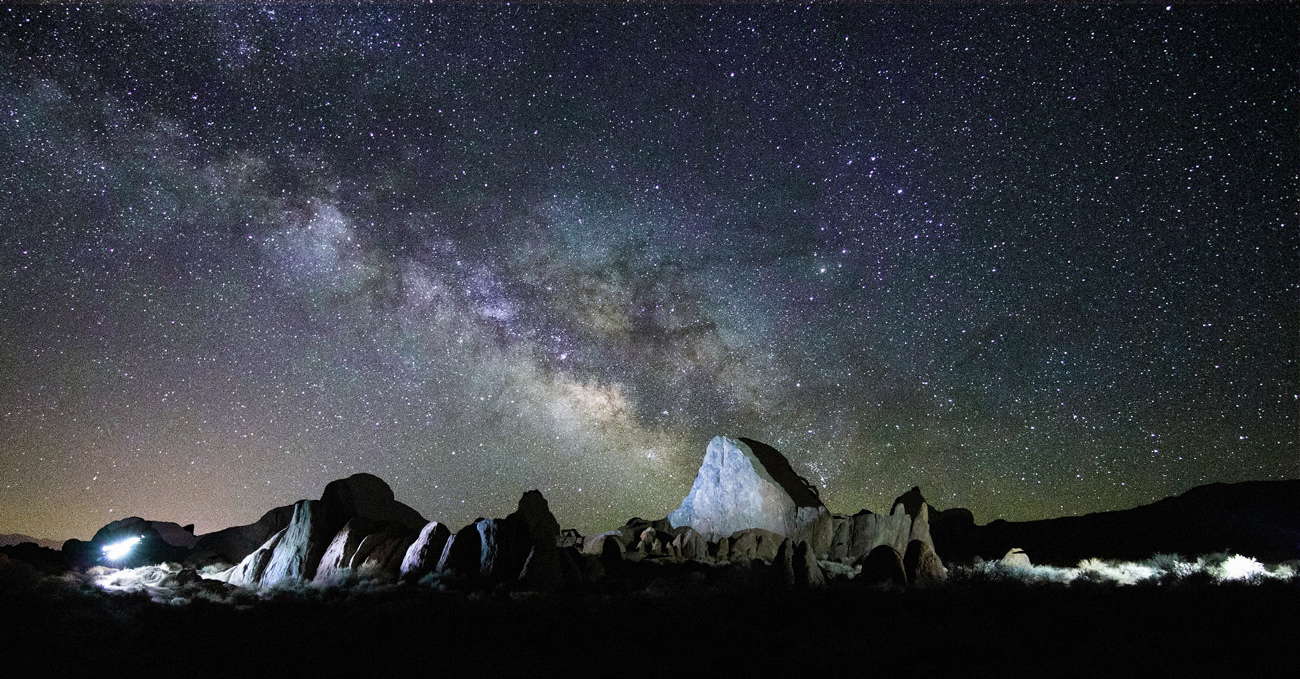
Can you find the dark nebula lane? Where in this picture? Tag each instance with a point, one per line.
(1039, 261)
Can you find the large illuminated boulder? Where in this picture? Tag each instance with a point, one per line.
(364, 548)
(423, 554)
(744, 484)
(357, 521)
(292, 555)
(364, 495)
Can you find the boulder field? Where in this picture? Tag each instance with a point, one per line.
(747, 511)
(747, 508)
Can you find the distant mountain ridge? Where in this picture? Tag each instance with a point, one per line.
(10, 539)
(1255, 518)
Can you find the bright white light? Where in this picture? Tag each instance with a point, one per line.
(117, 550)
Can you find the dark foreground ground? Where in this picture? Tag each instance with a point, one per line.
(965, 629)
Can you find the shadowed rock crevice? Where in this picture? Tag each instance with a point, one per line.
(803, 493)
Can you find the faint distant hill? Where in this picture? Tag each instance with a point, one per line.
(1252, 518)
(8, 539)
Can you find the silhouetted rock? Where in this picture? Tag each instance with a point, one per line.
(231, 545)
(754, 543)
(11, 539)
(541, 570)
(747, 484)
(883, 565)
(45, 560)
(807, 572)
(611, 555)
(783, 563)
(459, 562)
(368, 496)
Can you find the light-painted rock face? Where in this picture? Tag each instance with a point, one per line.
(1016, 558)
(363, 548)
(746, 484)
(308, 535)
(292, 554)
(422, 556)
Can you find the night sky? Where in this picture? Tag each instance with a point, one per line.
(1038, 261)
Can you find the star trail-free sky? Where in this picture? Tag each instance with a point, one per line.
(1038, 261)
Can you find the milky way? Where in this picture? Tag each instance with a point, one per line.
(1038, 261)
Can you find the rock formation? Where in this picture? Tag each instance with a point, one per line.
(293, 554)
(856, 536)
(923, 566)
(159, 541)
(753, 543)
(423, 554)
(364, 548)
(368, 496)
(357, 521)
(517, 551)
(807, 572)
(689, 544)
(231, 545)
(1016, 558)
(541, 570)
(882, 565)
(745, 484)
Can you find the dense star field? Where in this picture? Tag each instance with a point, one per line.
(1038, 261)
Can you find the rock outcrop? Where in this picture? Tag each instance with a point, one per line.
(1016, 558)
(364, 530)
(807, 572)
(689, 544)
(231, 545)
(746, 484)
(158, 541)
(923, 566)
(517, 551)
(541, 571)
(753, 543)
(858, 535)
(423, 554)
(883, 565)
(364, 548)
(292, 555)
(1259, 518)
(368, 496)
